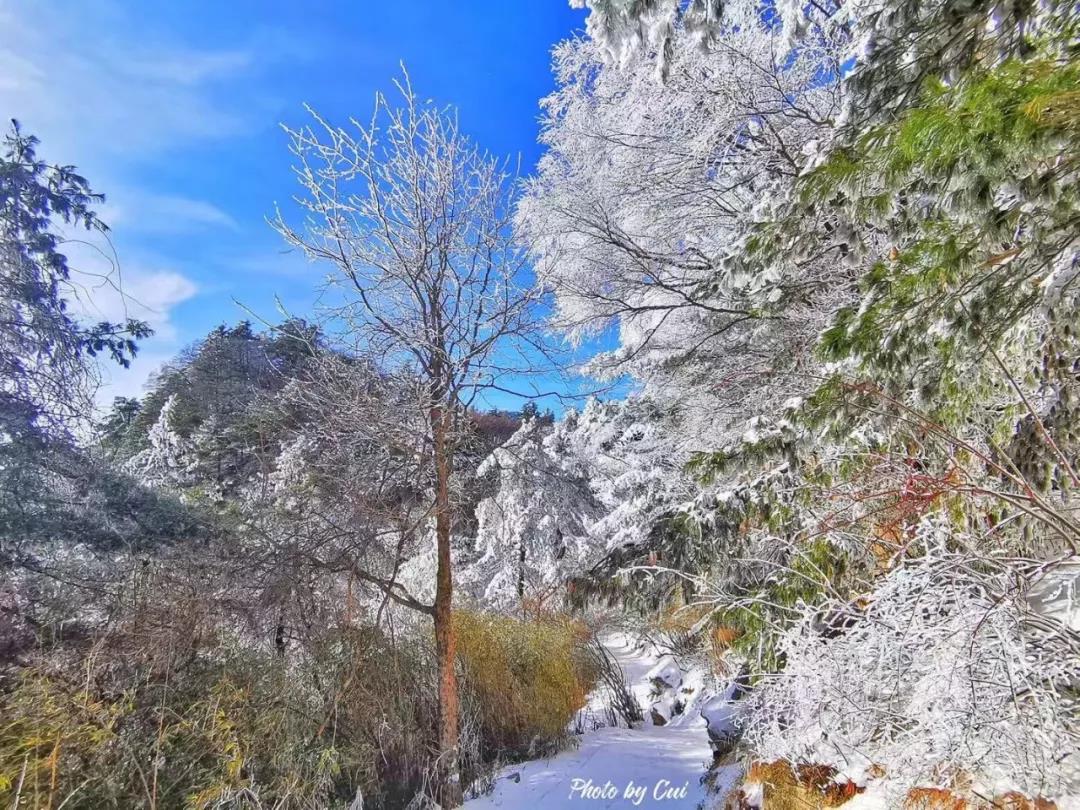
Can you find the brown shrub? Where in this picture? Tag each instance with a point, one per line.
(526, 679)
(945, 799)
(1018, 801)
(934, 799)
(800, 787)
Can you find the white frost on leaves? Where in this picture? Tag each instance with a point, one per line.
(647, 191)
(289, 479)
(944, 670)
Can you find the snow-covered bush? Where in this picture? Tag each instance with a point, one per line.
(944, 672)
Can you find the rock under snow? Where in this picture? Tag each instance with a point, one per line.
(666, 672)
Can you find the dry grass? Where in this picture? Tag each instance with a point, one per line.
(934, 799)
(800, 787)
(944, 799)
(528, 678)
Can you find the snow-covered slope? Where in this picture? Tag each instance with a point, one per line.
(646, 766)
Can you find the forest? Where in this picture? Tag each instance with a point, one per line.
(780, 514)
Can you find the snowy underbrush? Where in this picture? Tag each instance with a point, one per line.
(956, 672)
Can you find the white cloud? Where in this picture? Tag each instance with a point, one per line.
(89, 87)
(108, 290)
(161, 214)
(146, 295)
(105, 290)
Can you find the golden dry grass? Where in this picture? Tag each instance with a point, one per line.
(527, 675)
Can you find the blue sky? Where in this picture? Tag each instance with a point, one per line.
(173, 111)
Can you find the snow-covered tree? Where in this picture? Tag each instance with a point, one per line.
(44, 350)
(414, 219)
(169, 458)
(47, 370)
(534, 531)
(625, 27)
(64, 515)
(646, 189)
(870, 206)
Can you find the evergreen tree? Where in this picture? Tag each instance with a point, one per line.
(46, 355)
(44, 349)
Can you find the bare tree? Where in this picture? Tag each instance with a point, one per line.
(415, 220)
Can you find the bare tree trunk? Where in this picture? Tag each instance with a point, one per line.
(449, 773)
(521, 573)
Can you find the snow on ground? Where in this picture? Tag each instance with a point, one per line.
(648, 766)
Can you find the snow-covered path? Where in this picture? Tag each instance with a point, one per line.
(651, 766)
